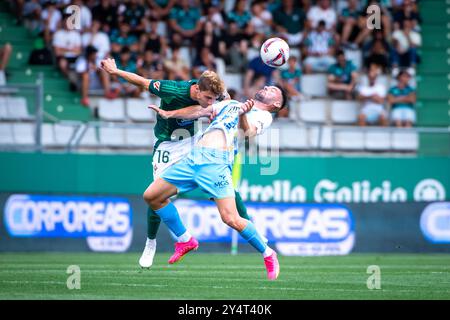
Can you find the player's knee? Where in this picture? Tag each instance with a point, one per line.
(231, 220)
(151, 198)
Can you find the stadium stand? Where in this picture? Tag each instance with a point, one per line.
(323, 122)
(433, 76)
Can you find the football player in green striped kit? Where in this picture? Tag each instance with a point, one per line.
(169, 148)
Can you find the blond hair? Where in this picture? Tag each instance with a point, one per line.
(210, 81)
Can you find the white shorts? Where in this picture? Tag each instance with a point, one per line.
(170, 152)
(319, 64)
(403, 114)
(293, 39)
(373, 112)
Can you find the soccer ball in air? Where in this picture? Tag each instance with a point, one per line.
(274, 52)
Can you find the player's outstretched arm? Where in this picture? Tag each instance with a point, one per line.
(187, 113)
(109, 65)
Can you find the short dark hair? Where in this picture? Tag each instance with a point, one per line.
(340, 52)
(284, 96)
(402, 72)
(175, 46)
(90, 49)
(125, 49)
(232, 93)
(322, 23)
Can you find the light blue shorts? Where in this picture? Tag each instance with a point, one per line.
(205, 168)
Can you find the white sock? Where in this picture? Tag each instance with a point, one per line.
(184, 237)
(267, 252)
(151, 242)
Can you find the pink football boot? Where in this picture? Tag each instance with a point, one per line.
(181, 248)
(272, 266)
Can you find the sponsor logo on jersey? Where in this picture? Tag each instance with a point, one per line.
(184, 123)
(156, 85)
(223, 182)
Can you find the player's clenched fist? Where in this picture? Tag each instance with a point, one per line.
(109, 65)
(247, 105)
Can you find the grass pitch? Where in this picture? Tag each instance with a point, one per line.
(222, 276)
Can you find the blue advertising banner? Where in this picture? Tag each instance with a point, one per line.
(105, 222)
(67, 223)
(310, 229)
(435, 222)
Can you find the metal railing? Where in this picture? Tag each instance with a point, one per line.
(389, 130)
(38, 90)
(74, 144)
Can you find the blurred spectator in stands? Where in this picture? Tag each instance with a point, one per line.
(5, 54)
(240, 15)
(273, 5)
(348, 26)
(31, 15)
(318, 49)
(257, 83)
(126, 63)
(214, 16)
(150, 66)
(289, 22)
(50, 18)
(184, 22)
(386, 25)
(307, 4)
(261, 21)
(16, 8)
(342, 77)
(372, 96)
(151, 40)
(85, 14)
(322, 12)
(203, 62)
(255, 69)
(402, 99)
(67, 46)
(91, 77)
(97, 38)
(233, 48)
(106, 13)
(405, 42)
(407, 10)
(134, 15)
(290, 78)
(208, 38)
(175, 66)
(122, 38)
(377, 51)
(61, 4)
(233, 94)
(160, 9)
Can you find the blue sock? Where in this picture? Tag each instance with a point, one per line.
(169, 214)
(252, 236)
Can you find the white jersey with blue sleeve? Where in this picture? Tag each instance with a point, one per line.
(209, 168)
(226, 119)
(261, 119)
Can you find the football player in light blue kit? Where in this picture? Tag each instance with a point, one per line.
(208, 166)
